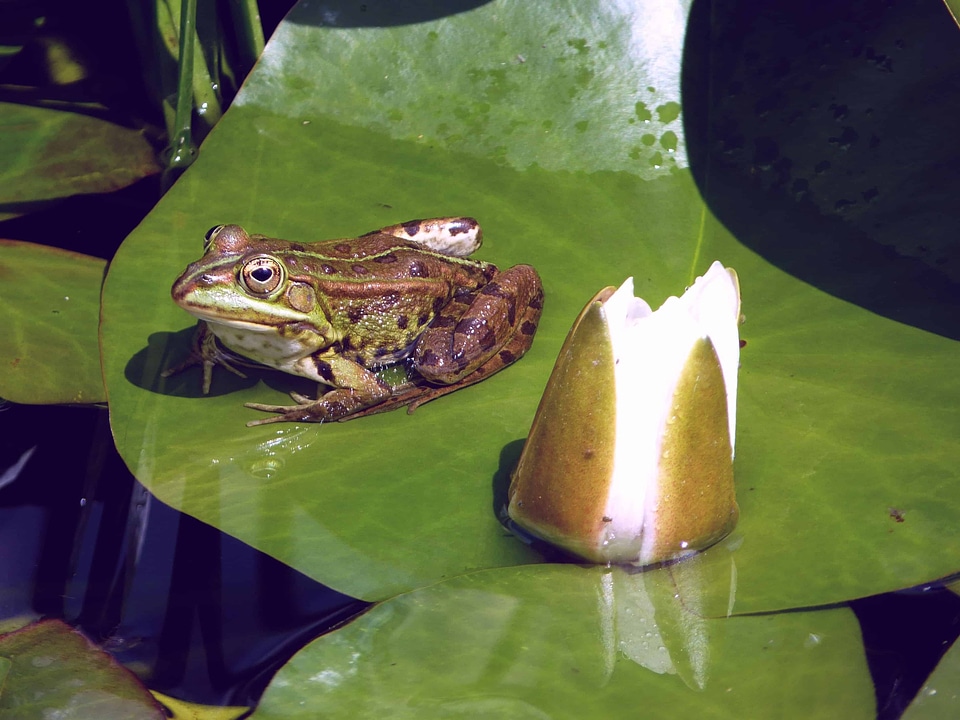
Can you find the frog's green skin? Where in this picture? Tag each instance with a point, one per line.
(335, 311)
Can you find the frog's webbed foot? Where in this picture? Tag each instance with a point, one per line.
(205, 351)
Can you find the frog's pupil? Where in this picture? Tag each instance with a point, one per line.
(262, 274)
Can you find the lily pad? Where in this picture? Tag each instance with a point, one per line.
(54, 671)
(559, 128)
(50, 305)
(564, 641)
(939, 698)
(52, 154)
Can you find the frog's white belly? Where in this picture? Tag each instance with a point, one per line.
(266, 347)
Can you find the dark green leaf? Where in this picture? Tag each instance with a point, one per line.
(49, 154)
(54, 671)
(49, 311)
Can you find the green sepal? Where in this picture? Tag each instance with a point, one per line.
(559, 489)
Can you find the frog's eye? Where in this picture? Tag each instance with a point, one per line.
(261, 275)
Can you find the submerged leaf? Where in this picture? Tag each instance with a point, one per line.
(50, 154)
(54, 671)
(49, 313)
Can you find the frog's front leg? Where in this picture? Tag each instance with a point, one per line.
(479, 333)
(205, 351)
(355, 388)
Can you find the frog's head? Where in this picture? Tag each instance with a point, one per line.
(240, 281)
(225, 239)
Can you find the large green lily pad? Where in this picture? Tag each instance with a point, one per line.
(559, 129)
(561, 641)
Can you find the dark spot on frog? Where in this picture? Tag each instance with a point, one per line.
(359, 269)
(355, 315)
(325, 371)
(464, 297)
(329, 269)
(588, 453)
(438, 302)
(346, 344)
(423, 319)
(743, 343)
(343, 248)
(488, 340)
(380, 352)
(402, 321)
(470, 326)
(495, 290)
(418, 269)
(507, 357)
(386, 259)
(412, 228)
(297, 247)
(430, 358)
(462, 226)
(444, 321)
(528, 328)
(537, 302)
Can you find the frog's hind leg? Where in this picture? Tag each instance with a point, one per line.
(483, 324)
(454, 236)
(481, 336)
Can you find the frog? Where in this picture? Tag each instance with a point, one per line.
(340, 311)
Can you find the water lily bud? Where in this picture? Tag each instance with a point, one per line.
(630, 455)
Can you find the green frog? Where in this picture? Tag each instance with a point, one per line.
(338, 311)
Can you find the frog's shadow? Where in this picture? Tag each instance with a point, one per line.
(165, 350)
